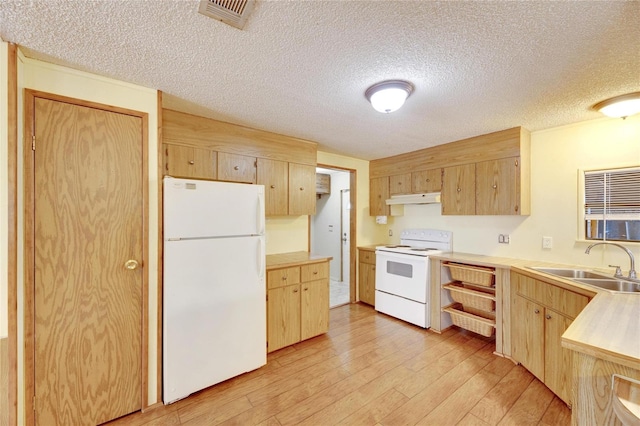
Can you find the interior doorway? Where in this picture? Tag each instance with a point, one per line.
(332, 231)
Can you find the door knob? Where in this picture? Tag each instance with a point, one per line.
(131, 264)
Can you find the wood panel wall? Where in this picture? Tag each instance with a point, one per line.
(190, 130)
(492, 146)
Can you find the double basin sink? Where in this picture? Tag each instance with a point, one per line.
(593, 279)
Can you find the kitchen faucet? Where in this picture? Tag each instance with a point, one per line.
(632, 271)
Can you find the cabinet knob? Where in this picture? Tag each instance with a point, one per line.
(537, 311)
(315, 272)
(306, 289)
(273, 186)
(301, 188)
(458, 189)
(191, 162)
(428, 180)
(236, 168)
(284, 278)
(295, 290)
(547, 316)
(494, 186)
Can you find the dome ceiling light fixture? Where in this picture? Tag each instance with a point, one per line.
(388, 96)
(620, 106)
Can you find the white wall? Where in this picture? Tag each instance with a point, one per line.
(67, 82)
(556, 156)
(326, 224)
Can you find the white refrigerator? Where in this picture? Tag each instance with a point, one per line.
(214, 295)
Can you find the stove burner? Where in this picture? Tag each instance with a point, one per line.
(396, 246)
(423, 249)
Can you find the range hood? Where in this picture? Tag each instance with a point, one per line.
(427, 198)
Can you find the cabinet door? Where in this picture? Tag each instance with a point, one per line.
(458, 190)
(188, 162)
(302, 189)
(315, 308)
(283, 317)
(426, 181)
(527, 335)
(498, 187)
(367, 283)
(236, 168)
(400, 184)
(274, 175)
(558, 360)
(378, 194)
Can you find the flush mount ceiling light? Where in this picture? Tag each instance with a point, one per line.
(620, 106)
(388, 96)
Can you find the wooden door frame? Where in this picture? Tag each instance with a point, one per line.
(29, 241)
(353, 178)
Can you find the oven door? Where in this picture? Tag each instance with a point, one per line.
(403, 275)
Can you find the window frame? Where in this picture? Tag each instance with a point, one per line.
(581, 204)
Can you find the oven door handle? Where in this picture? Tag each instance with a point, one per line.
(381, 254)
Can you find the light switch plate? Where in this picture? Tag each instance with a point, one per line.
(547, 243)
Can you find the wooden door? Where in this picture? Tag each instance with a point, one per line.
(367, 282)
(189, 162)
(378, 195)
(498, 187)
(314, 308)
(558, 365)
(527, 335)
(236, 168)
(426, 181)
(459, 190)
(274, 175)
(302, 189)
(283, 317)
(88, 222)
(400, 184)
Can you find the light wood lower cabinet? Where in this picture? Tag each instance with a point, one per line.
(367, 276)
(297, 304)
(540, 313)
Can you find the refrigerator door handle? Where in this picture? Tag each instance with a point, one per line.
(261, 218)
(261, 257)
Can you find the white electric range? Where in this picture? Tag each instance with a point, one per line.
(402, 274)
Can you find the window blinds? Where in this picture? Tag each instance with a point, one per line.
(612, 194)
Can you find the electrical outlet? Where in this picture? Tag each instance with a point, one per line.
(547, 243)
(503, 238)
(391, 232)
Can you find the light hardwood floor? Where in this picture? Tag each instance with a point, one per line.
(372, 369)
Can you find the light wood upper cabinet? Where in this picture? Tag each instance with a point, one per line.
(236, 168)
(188, 162)
(274, 175)
(378, 195)
(498, 187)
(459, 190)
(426, 181)
(540, 314)
(302, 189)
(400, 184)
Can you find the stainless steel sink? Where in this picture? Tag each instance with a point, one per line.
(611, 284)
(592, 278)
(570, 273)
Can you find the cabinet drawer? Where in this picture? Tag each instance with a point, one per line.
(283, 277)
(315, 271)
(367, 256)
(556, 298)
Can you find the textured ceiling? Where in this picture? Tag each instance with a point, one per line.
(300, 68)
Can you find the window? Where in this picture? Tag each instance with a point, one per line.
(612, 204)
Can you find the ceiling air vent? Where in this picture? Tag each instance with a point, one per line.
(231, 12)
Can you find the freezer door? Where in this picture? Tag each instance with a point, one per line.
(197, 208)
(214, 313)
